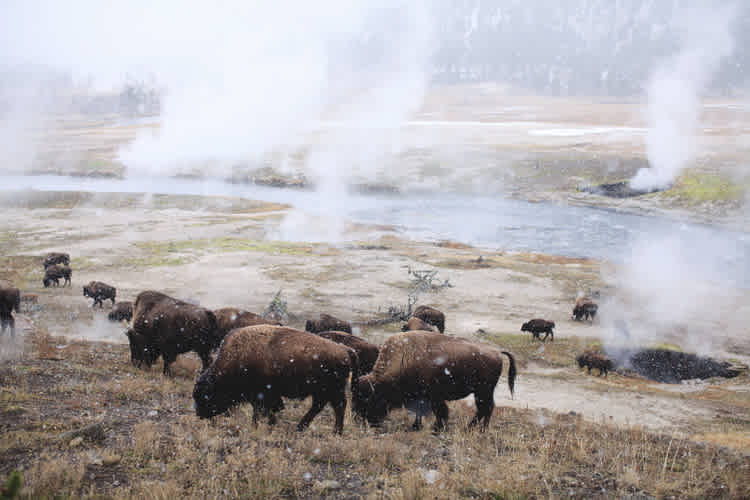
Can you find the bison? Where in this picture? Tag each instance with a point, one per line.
(538, 326)
(56, 258)
(416, 324)
(431, 316)
(584, 309)
(592, 359)
(262, 364)
(100, 292)
(367, 353)
(164, 326)
(416, 366)
(10, 300)
(229, 318)
(327, 323)
(53, 274)
(121, 311)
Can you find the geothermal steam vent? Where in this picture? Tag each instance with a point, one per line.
(672, 367)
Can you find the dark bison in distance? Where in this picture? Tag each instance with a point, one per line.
(538, 326)
(585, 309)
(263, 364)
(53, 274)
(327, 323)
(10, 300)
(416, 324)
(56, 258)
(100, 292)
(431, 316)
(367, 353)
(430, 366)
(229, 318)
(592, 359)
(164, 326)
(121, 311)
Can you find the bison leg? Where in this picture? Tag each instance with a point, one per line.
(205, 358)
(317, 406)
(339, 409)
(417, 425)
(485, 404)
(440, 409)
(168, 360)
(12, 324)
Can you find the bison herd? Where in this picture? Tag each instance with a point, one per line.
(261, 362)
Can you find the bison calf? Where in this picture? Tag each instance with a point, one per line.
(100, 292)
(431, 316)
(327, 323)
(262, 364)
(591, 359)
(10, 300)
(53, 274)
(56, 258)
(538, 326)
(121, 311)
(419, 366)
(416, 324)
(367, 353)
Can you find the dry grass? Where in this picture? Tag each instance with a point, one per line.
(155, 447)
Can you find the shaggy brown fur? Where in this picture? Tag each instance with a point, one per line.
(434, 367)
(56, 258)
(538, 326)
(262, 364)
(10, 300)
(100, 292)
(166, 327)
(229, 318)
(431, 316)
(367, 353)
(585, 309)
(121, 311)
(327, 323)
(53, 274)
(416, 324)
(593, 359)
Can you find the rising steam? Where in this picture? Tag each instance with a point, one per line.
(674, 92)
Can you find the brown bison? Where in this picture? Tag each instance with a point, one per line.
(585, 309)
(229, 318)
(327, 323)
(592, 359)
(121, 311)
(100, 292)
(10, 300)
(367, 353)
(262, 364)
(53, 274)
(164, 326)
(56, 258)
(431, 316)
(538, 326)
(416, 366)
(416, 324)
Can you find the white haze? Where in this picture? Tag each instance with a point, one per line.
(674, 93)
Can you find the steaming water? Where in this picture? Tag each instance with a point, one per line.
(489, 222)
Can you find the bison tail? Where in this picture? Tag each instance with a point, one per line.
(511, 372)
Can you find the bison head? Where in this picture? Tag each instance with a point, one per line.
(46, 282)
(367, 401)
(525, 327)
(141, 351)
(580, 360)
(86, 292)
(209, 401)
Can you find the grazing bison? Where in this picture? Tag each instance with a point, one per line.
(327, 323)
(416, 366)
(166, 327)
(53, 274)
(431, 316)
(538, 326)
(229, 318)
(416, 324)
(367, 353)
(56, 258)
(121, 311)
(584, 309)
(262, 364)
(592, 359)
(100, 292)
(10, 299)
